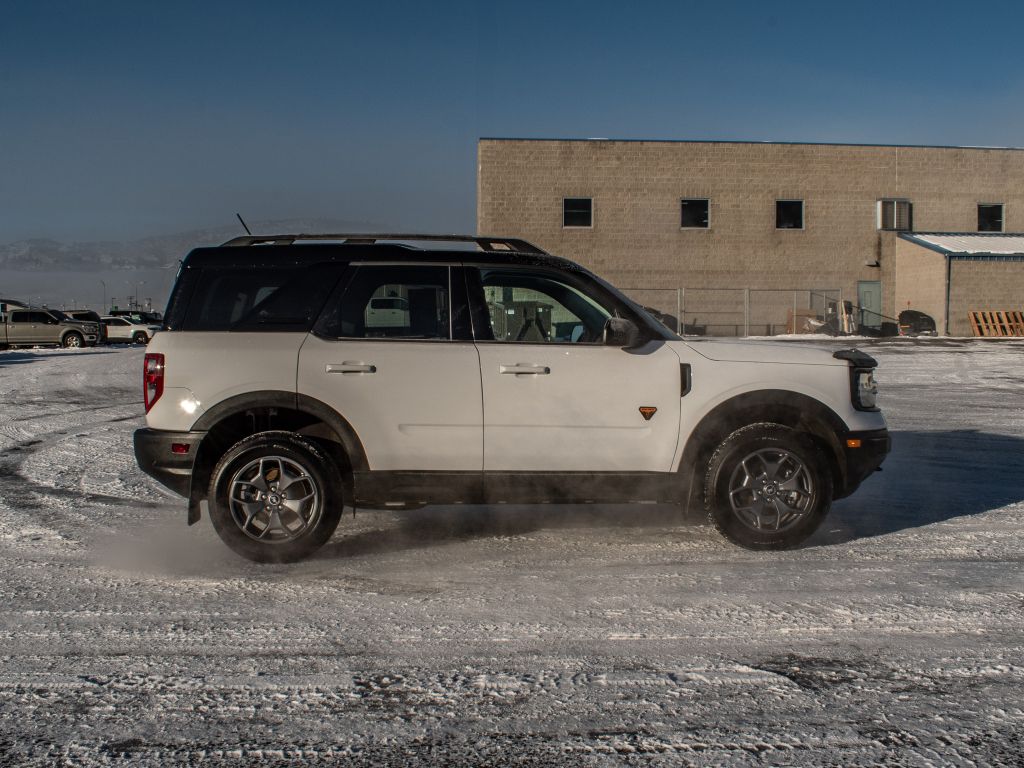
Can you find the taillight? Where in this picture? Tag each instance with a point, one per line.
(152, 379)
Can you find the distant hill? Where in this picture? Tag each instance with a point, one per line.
(44, 255)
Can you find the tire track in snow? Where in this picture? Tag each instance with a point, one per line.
(50, 512)
(568, 644)
(40, 514)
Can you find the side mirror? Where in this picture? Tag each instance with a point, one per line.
(620, 332)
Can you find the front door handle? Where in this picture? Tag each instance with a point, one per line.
(525, 368)
(350, 366)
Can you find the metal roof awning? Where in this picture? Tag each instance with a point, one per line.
(994, 246)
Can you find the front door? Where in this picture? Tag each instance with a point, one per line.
(556, 399)
(391, 358)
(869, 298)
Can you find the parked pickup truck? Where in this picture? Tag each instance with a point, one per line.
(33, 326)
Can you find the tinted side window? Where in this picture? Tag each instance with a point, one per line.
(20, 317)
(263, 298)
(393, 301)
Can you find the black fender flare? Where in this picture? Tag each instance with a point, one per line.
(341, 426)
(232, 406)
(795, 409)
(269, 398)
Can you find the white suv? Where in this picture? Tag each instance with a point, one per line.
(125, 329)
(282, 388)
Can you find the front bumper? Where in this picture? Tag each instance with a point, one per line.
(865, 459)
(154, 454)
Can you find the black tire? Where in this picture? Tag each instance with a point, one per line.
(297, 531)
(73, 340)
(140, 337)
(767, 487)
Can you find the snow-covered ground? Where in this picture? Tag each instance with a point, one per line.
(516, 635)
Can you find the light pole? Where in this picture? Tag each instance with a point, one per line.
(133, 299)
(103, 308)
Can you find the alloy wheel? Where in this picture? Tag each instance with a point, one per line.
(274, 499)
(772, 489)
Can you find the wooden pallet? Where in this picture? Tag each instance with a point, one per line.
(987, 322)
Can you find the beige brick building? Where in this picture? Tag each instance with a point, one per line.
(781, 221)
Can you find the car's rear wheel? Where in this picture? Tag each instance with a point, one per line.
(767, 487)
(275, 497)
(73, 340)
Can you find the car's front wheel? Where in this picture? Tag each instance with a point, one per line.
(275, 497)
(767, 487)
(73, 340)
(140, 337)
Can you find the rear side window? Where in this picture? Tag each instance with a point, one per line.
(394, 301)
(261, 298)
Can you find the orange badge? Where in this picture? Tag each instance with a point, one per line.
(647, 411)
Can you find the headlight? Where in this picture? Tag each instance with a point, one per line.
(865, 390)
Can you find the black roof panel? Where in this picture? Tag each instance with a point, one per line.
(315, 252)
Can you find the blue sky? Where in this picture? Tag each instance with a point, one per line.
(126, 119)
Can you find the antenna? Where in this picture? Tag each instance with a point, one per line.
(244, 225)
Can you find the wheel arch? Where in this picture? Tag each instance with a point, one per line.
(247, 414)
(791, 409)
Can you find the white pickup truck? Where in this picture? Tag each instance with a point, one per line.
(277, 395)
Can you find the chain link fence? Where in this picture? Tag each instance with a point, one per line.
(749, 311)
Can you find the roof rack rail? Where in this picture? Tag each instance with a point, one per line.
(484, 243)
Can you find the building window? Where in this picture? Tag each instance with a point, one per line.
(577, 212)
(895, 215)
(789, 214)
(990, 217)
(694, 213)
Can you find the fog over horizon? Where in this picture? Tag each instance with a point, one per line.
(80, 274)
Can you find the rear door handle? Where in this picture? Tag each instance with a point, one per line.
(525, 368)
(350, 366)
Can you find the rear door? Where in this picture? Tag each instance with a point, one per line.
(556, 399)
(393, 354)
(18, 330)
